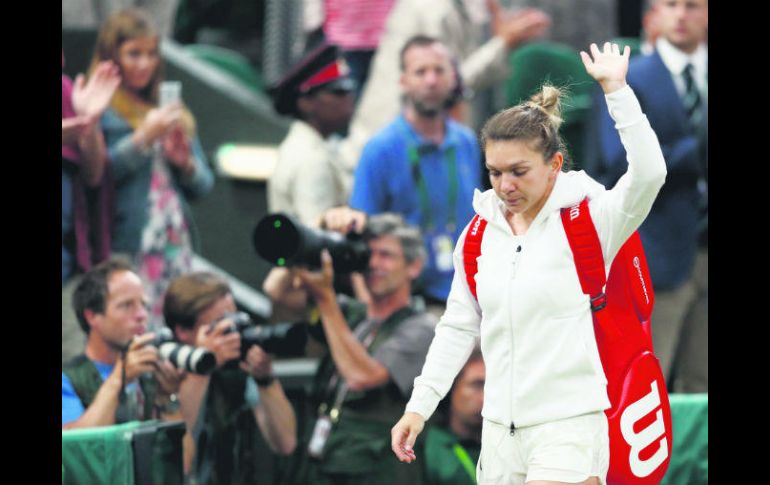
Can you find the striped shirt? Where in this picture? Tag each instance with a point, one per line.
(356, 24)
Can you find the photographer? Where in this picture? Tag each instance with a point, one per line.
(226, 410)
(120, 377)
(376, 349)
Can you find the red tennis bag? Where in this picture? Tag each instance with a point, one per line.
(639, 418)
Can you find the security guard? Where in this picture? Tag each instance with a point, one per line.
(318, 94)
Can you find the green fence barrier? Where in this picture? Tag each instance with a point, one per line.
(134, 453)
(109, 455)
(689, 457)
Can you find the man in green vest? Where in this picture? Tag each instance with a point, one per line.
(377, 347)
(452, 445)
(120, 377)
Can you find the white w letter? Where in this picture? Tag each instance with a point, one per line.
(643, 439)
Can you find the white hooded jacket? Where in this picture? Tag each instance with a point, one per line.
(534, 321)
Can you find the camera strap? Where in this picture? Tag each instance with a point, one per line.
(382, 329)
(342, 390)
(122, 394)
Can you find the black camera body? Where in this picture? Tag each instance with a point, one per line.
(197, 360)
(282, 339)
(281, 240)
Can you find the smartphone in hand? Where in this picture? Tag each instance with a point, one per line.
(170, 91)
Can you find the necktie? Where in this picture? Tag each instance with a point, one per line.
(692, 100)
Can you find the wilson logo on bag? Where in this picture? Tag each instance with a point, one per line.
(639, 418)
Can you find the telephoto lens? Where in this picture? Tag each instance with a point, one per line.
(197, 360)
(281, 240)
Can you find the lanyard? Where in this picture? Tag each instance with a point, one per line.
(385, 328)
(414, 151)
(465, 460)
(342, 390)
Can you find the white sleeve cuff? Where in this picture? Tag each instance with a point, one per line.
(624, 107)
(423, 402)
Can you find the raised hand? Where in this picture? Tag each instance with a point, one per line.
(91, 98)
(518, 26)
(608, 67)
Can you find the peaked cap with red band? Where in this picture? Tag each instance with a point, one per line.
(328, 73)
(320, 67)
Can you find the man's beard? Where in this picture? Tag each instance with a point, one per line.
(428, 110)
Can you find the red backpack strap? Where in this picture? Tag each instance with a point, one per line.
(472, 250)
(587, 251)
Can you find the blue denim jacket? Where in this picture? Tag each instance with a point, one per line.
(132, 172)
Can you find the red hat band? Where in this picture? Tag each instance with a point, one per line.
(328, 73)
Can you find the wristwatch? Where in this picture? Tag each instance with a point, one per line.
(171, 406)
(264, 381)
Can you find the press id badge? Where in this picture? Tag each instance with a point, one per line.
(321, 430)
(442, 250)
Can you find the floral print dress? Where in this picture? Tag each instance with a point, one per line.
(166, 250)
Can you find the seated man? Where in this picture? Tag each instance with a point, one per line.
(226, 410)
(120, 377)
(376, 348)
(452, 447)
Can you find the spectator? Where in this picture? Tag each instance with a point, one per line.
(318, 93)
(672, 85)
(155, 156)
(577, 23)
(423, 165)
(226, 410)
(650, 28)
(119, 377)
(90, 14)
(84, 163)
(452, 449)
(86, 188)
(462, 27)
(376, 350)
(356, 27)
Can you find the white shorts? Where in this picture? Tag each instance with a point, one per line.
(568, 450)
